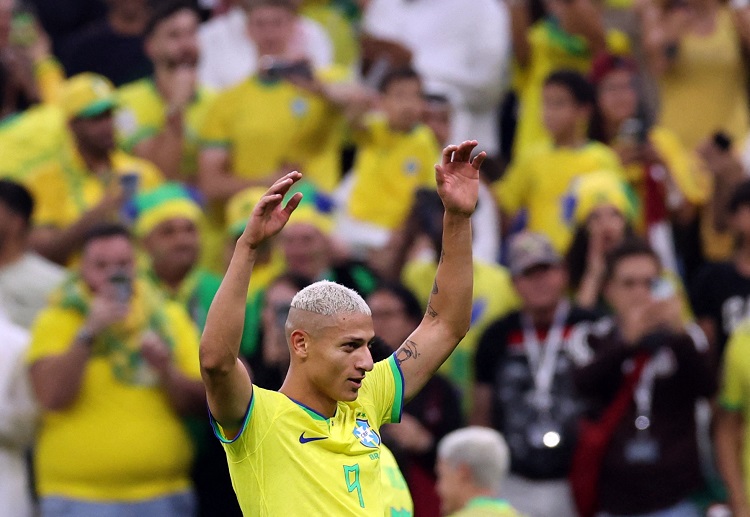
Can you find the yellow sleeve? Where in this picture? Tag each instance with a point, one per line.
(50, 77)
(187, 341)
(733, 394)
(45, 185)
(215, 129)
(53, 333)
(383, 389)
(512, 190)
(684, 167)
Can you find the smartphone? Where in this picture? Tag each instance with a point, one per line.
(123, 285)
(129, 184)
(276, 69)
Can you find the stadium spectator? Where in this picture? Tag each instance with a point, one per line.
(472, 466)
(112, 46)
(721, 291)
(652, 368)
(18, 419)
(234, 43)
(568, 100)
(524, 380)
(667, 177)
(471, 71)
(88, 180)
(109, 360)
(26, 279)
(158, 118)
(395, 156)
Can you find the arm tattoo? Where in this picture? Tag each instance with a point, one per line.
(431, 312)
(435, 287)
(407, 351)
(442, 256)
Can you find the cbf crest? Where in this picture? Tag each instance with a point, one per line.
(366, 434)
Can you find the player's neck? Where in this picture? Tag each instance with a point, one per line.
(310, 398)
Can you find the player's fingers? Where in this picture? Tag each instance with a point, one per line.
(448, 153)
(293, 203)
(464, 151)
(267, 203)
(478, 159)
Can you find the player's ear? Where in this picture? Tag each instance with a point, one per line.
(299, 341)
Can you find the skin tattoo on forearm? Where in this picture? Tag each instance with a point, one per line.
(407, 351)
(435, 287)
(431, 312)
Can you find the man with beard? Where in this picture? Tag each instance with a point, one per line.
(89, 179)
(159, 116)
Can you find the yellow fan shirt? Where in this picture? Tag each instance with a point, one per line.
(269, 124)
(64, 189)
(118, 441)
(540, 181)
(290, 460)
(141, 114)
(390, 166)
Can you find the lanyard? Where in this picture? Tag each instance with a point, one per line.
(644, 390)
(542, 362)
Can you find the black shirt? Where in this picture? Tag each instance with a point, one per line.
(720, 293)
(501, 362)
(99, 49)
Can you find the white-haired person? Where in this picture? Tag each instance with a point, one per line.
(472, 464)
(313, 447)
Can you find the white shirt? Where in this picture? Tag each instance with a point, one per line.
(228, 55)
(18, 416)
(461, 49)
(25, 286)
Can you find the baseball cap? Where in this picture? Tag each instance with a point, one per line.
(87, 95)
(528, 249)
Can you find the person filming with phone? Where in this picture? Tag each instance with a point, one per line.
(643, 370)
(114, 367)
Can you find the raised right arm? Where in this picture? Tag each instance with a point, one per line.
(228, 386)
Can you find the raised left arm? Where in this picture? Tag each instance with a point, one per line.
(449, 308)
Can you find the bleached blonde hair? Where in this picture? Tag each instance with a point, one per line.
(329, 298)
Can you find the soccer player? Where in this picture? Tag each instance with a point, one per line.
(313, 446)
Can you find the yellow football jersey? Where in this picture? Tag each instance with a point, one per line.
(390, 166)
(396, 495)
(141, 115)
(290, 460)
(540, 182)
(269, 124)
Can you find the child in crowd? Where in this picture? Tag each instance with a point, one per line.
(539, 180)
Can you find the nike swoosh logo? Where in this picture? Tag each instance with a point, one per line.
(302, 438)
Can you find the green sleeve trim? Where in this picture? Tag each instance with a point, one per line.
(729, 406)
(398, 399)
(219, 433)
(139, 136)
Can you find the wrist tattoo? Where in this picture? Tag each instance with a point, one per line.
(435, 287)
(407, 351)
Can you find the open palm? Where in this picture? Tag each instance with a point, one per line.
(269, 216)
(458, 177)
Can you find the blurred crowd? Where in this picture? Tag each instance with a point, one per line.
(611, 241)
